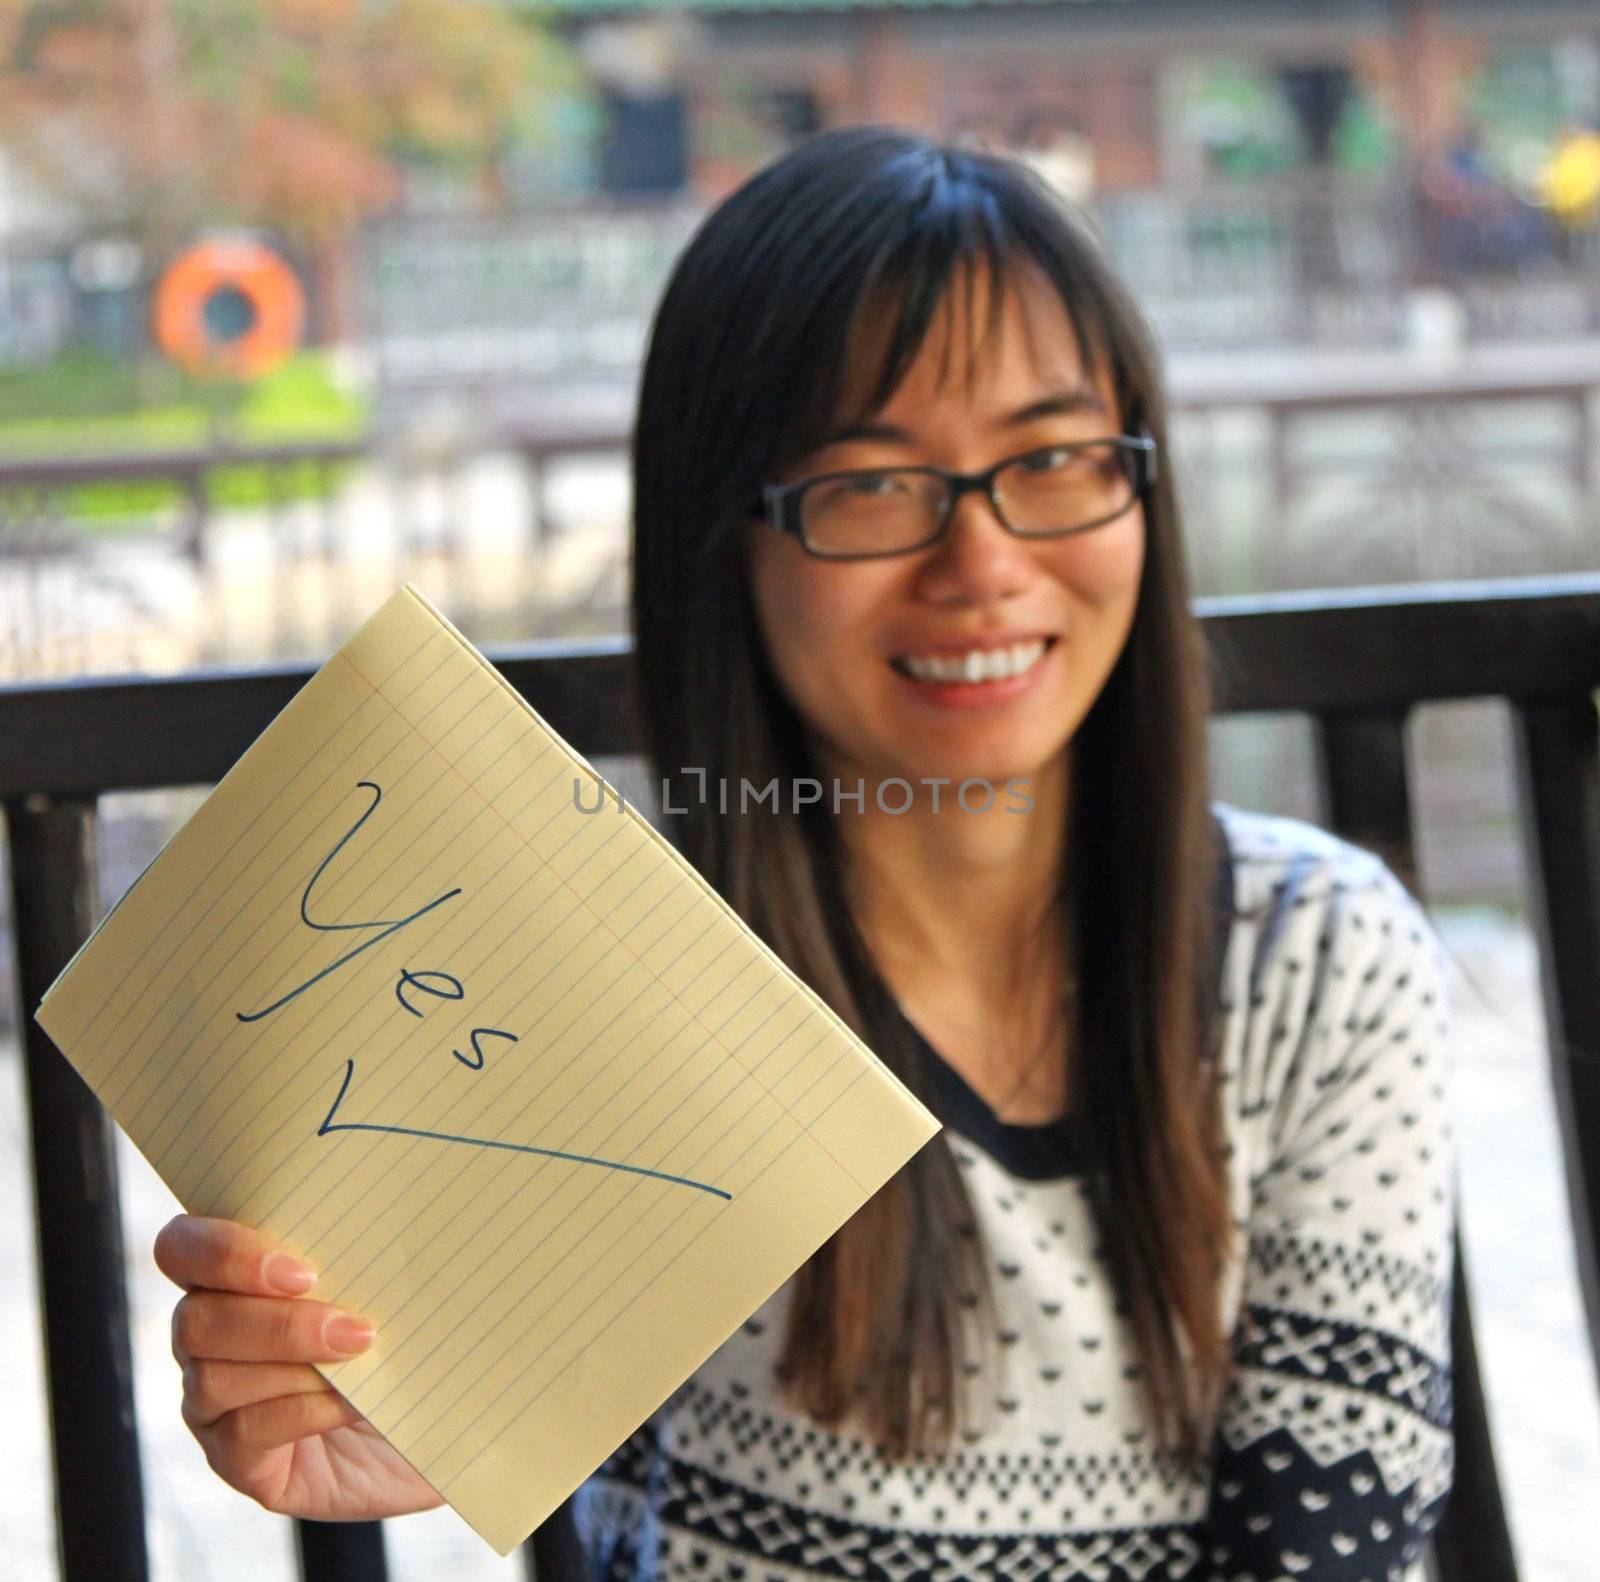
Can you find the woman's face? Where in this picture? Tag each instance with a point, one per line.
(844, 637)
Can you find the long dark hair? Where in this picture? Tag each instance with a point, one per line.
(746, 361)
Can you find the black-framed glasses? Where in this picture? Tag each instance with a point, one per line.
(1050, 492)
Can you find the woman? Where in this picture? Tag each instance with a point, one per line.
(1169, 1295)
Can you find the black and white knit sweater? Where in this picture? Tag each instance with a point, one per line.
(1332, 1456)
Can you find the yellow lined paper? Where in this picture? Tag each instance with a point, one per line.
(508, 1074)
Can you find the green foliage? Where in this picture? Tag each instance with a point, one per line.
(1366, 141)
(301, 396)
(88, 395)
(1236, 111)
(87, 403)
(1236, 116)
(297, 116)
(80, 383)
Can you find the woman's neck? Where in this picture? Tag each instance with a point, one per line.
(968, 900)
(961, 913)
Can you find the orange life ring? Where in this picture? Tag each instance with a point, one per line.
(228, 308)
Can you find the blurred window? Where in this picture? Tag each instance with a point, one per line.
(645, 145)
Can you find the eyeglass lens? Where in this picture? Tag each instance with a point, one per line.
(1047, 491)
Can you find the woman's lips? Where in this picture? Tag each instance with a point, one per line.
(949, 692)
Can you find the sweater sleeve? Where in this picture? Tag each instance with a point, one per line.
(1333, 1453)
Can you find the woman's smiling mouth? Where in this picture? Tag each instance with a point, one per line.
(973, 666)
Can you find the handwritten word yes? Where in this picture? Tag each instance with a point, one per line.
(446, 986)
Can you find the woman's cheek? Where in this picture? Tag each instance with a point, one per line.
(1106, 564)
(813, 611)
(803, 618)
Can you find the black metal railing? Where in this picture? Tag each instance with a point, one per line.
(1358, 662)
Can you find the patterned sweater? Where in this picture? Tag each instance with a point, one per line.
(1332, 1454)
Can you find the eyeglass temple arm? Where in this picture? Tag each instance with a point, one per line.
(1146, 459)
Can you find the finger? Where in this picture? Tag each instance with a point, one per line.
(213, 1389)
(235, 1442)
(220, 1255)
(220, 1326)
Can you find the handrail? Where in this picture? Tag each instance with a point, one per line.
(1327, 651)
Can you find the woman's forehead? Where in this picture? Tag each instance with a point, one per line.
(987, 331)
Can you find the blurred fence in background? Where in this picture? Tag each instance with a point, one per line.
(142, 561)
(523, 534)
(504, 307)
(491, 306)
(1324, 260)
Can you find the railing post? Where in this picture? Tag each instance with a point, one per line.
(1366, 798)
(1558, 766)
(1362, 781)
(89, 1364)
(553, 1553)
(341, 1552)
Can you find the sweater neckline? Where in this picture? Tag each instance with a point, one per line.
(1057, 1150)
(1049, 1151)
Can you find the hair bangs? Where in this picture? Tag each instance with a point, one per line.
(977, 237)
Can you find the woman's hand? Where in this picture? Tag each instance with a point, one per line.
(271, 1425)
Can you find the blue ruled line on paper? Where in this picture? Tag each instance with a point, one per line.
(330, 1125)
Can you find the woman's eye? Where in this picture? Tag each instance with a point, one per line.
(1049, 460)
(876, 484)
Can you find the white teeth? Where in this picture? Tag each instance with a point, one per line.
(977, 664)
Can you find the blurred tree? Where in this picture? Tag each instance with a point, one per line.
(159, 118)
(1366, 141)
(1236, 115)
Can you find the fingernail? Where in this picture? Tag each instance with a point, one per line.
(287, 1274)
(347, 1334)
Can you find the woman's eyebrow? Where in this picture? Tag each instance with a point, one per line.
(1057, 404)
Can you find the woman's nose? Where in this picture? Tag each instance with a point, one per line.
(977, 558)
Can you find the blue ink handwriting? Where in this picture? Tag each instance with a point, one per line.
(329, 1124)
(388, 926)
(454, 989)
(409, 988)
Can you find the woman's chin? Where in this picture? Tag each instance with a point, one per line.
(1029, 771)
(1001, 756)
